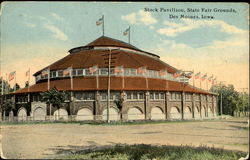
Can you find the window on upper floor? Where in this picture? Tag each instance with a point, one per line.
(157, 95)
(133, 95)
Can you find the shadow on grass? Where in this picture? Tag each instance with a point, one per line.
(143, 151)
(240, 127)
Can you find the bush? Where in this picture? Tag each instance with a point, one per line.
(145, 152)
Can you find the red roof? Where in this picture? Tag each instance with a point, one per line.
(88, 58)
(107, 41)
(130, 83)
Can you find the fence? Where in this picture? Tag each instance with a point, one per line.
(71, 118)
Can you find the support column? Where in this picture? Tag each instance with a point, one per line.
(182, 105)
(124, 107)
(167, 97)
(122, 99)
(146, 106)
(193, 104)
(206, 105)
(97, 105)
(200, 104)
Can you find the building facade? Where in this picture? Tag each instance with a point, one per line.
(142, 87)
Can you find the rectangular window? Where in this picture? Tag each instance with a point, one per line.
(78, 96)
(141, 95)
(133, 72)
(79, 72)
(135, 95)
(162, 95)
(53, 74)
(151, 95)
(104, 71)
(104, 96)
(91, 96)
(117, 96)
(151, 73)
(111, 96)
(157, 96)
(112, 71)
(74, 72)
(171, 96)
(129, 95)
(175, 96)
(60, 73)
(126, 71)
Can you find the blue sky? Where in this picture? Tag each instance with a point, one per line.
(35, 34)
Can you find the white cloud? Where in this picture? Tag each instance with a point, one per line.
(131, 18)
(58, 34)
(56, 16)
(146, 17)
(174, 29)
(140, 17)
(30, 25)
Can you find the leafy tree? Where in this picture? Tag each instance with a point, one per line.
(232, 101)
(8, 106)
(119, 104)
(26, 84)
(5, 86)
(53, 97)
(17, 87)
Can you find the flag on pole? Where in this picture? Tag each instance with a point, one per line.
(162, 73)
(118, 69)
(178, 74)
(204, 77)
(12, 75)
(210, 78)
(189, 75)
(197, 75)
(27, 73)
(126, 32)
(93, 69)
(100, 21)
(141, 70)
(67, 71)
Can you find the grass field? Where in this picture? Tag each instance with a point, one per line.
(149, 152)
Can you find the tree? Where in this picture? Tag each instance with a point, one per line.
(8, 106)
(232, 101)
(5, 86)
(53, 97)
(17, 87)
(119, 104)
(26, 84)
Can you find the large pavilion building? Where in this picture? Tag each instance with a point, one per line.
(142, 87)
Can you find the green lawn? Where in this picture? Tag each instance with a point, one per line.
(149, 152)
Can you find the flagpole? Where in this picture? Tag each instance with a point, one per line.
(29, 86)
(49, 79)
(200, 83)
(129, 35)
(193, 78)
(15, 83)
(207, 83)
(2, 86)
(6, 83)
(103, 25)
(123, 77)
(97, 78)
(71, 79)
